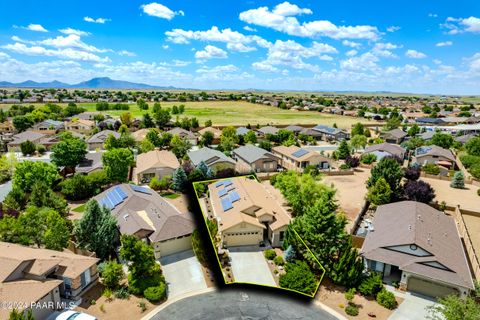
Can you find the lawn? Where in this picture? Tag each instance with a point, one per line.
(79, 208)
(170, 195)
(241, 113)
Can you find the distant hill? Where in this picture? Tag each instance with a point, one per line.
(95, 83)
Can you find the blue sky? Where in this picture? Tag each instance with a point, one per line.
(420, 46)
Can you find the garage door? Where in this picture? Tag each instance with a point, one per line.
(172, 246)
(242, 238)
(429, 288)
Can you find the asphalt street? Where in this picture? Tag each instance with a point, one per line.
(243, 305)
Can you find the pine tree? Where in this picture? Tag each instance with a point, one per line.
(180, 179)
(343, 150)
(347, 270)
(203, 168)
(458, 181)
(289, 254)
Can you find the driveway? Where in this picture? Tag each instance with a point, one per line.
(183, 273)
(413, 307)
(249, 266)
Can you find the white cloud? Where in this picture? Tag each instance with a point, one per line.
(414, 54)
(165, 46)
(474, 62)
(67, 53)
(33, 27)
(98, 20)
(437, 61)
(386, 46)
(282, 18)
(444, 44)
(76, 32)
(364, 62)
(432, 15)
(351, 44)
(264, 66)
(461, 25)
(126, 53)
(248, 28)
(70, 41)
(351, 53)
(158, 10)
(211, 52)
(235, 40)
(393, 28)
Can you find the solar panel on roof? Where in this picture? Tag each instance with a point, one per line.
(218, 184)
(299, 153)
(423, 150)
(226, 183)
(141, 189)
(234, 196)
(226, 204)
(230, 188)
(114, 196)
(120, 192)
(222, 192)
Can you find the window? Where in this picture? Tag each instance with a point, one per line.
(282, 235)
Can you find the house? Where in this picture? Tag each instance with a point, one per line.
(394, 136)
(427, 135)
(464, 138)
(263, 131)
(385, 149)
(214, 159)
(217, 133)
(295, 129)
(48, 126)
(91, 163)
(418, 246)
(35, 277)
(96, 141)
(142, 212)
(434, 155)
(6, 127)
(247, 213)
(154, 164)
(295, 158)
(140, 135)
(241, 131)
(28, 135)
(331, 133)
(252, 158)
(82, 126)
(429, 121)
(317, 135)
(184, 134)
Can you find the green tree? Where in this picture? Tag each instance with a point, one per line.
(389, 169)
(267, 145)
(116, 163)
(152, 136)
(392, 123)
(298, 277)
(442, 140)
(343, 150)
(43, 196)
(147, 121)
(69, 151)
(347, 270)
(458, 181)
(7, 166)
(473, 146)
(29, 172)
(380, 193)
(28, 147)
(250, 137)
(208, 123)
(21, 123)
(179, 146)
(142, 105)
(180, 179)
(97, 230)
(111, 142)
(162, 117)
(358, 129)
(228, 138)
(414, 143)
(453, 307)
(413, 130)
(358, 141)
(112, 274)
(206, 139)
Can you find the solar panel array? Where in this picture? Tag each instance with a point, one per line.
(222, 192)
(423, 150)
(141, 189)
(113, 198)
(299, 153)
(228, 194)
(226, 204)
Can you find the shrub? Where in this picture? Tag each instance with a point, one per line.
(386, 299)
(469, 160)
(344, 166)
(122, 293)
(352, 161)
(431, 169)
(138, 285)
(269, 254)
(371, 285)
(290, 253)
(368, 158)
(298, 277)
(27, 147)
(278, 260)
(93, 302)
(41, 149)
(412, 173)
(475, 171)
(351, 310)
(350, 294)
(107, 293)
(102, 308)
(419, 191)
(142, 306)
(154, 294)
(458, 181)
(112, 274)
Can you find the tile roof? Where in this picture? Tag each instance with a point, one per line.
(156, 159)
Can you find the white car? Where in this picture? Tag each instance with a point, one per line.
(74, 315)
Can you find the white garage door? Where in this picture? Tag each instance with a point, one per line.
(166, 248)
(242, 238)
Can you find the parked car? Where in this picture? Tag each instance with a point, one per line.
(73, 315)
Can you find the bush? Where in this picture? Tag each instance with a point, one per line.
(155, 294)
(412, 173)
(278, 260)
(371, 285)
(458, 181)
(289, 254)
(469, 160)
(475, 171)
(269, 254)
(80, 187)
(142, 306)
(344, 166)
(350, 294)
(368, 158)
(41, 149)
(27, 147)
(431, 169)
(138, 285)
(386, 299)
(122, 293)
(351, 310)
(298, 277)
(112, 274)
(478, 192)
(352, 161)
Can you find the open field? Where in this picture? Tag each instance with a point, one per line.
(240, 113)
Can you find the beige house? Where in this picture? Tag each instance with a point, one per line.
(418, 246)
(247, 213)
(155, 163)
(140, 135)
(252, 158)
(184, 134)
(31, 275)
(216, 133)
(142, 212)
(48, 126)
(295, 158)
(97, 140)
(82, 126)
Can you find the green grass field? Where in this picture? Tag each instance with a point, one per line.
(240, 113)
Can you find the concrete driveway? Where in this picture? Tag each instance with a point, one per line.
(413, 307)
(183, 273)
(250, 266)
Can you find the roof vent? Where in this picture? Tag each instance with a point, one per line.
(125, 217)
(409, 227)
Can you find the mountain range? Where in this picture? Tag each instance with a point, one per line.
(95, 83)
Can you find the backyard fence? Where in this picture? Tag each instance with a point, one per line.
(462, 229)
